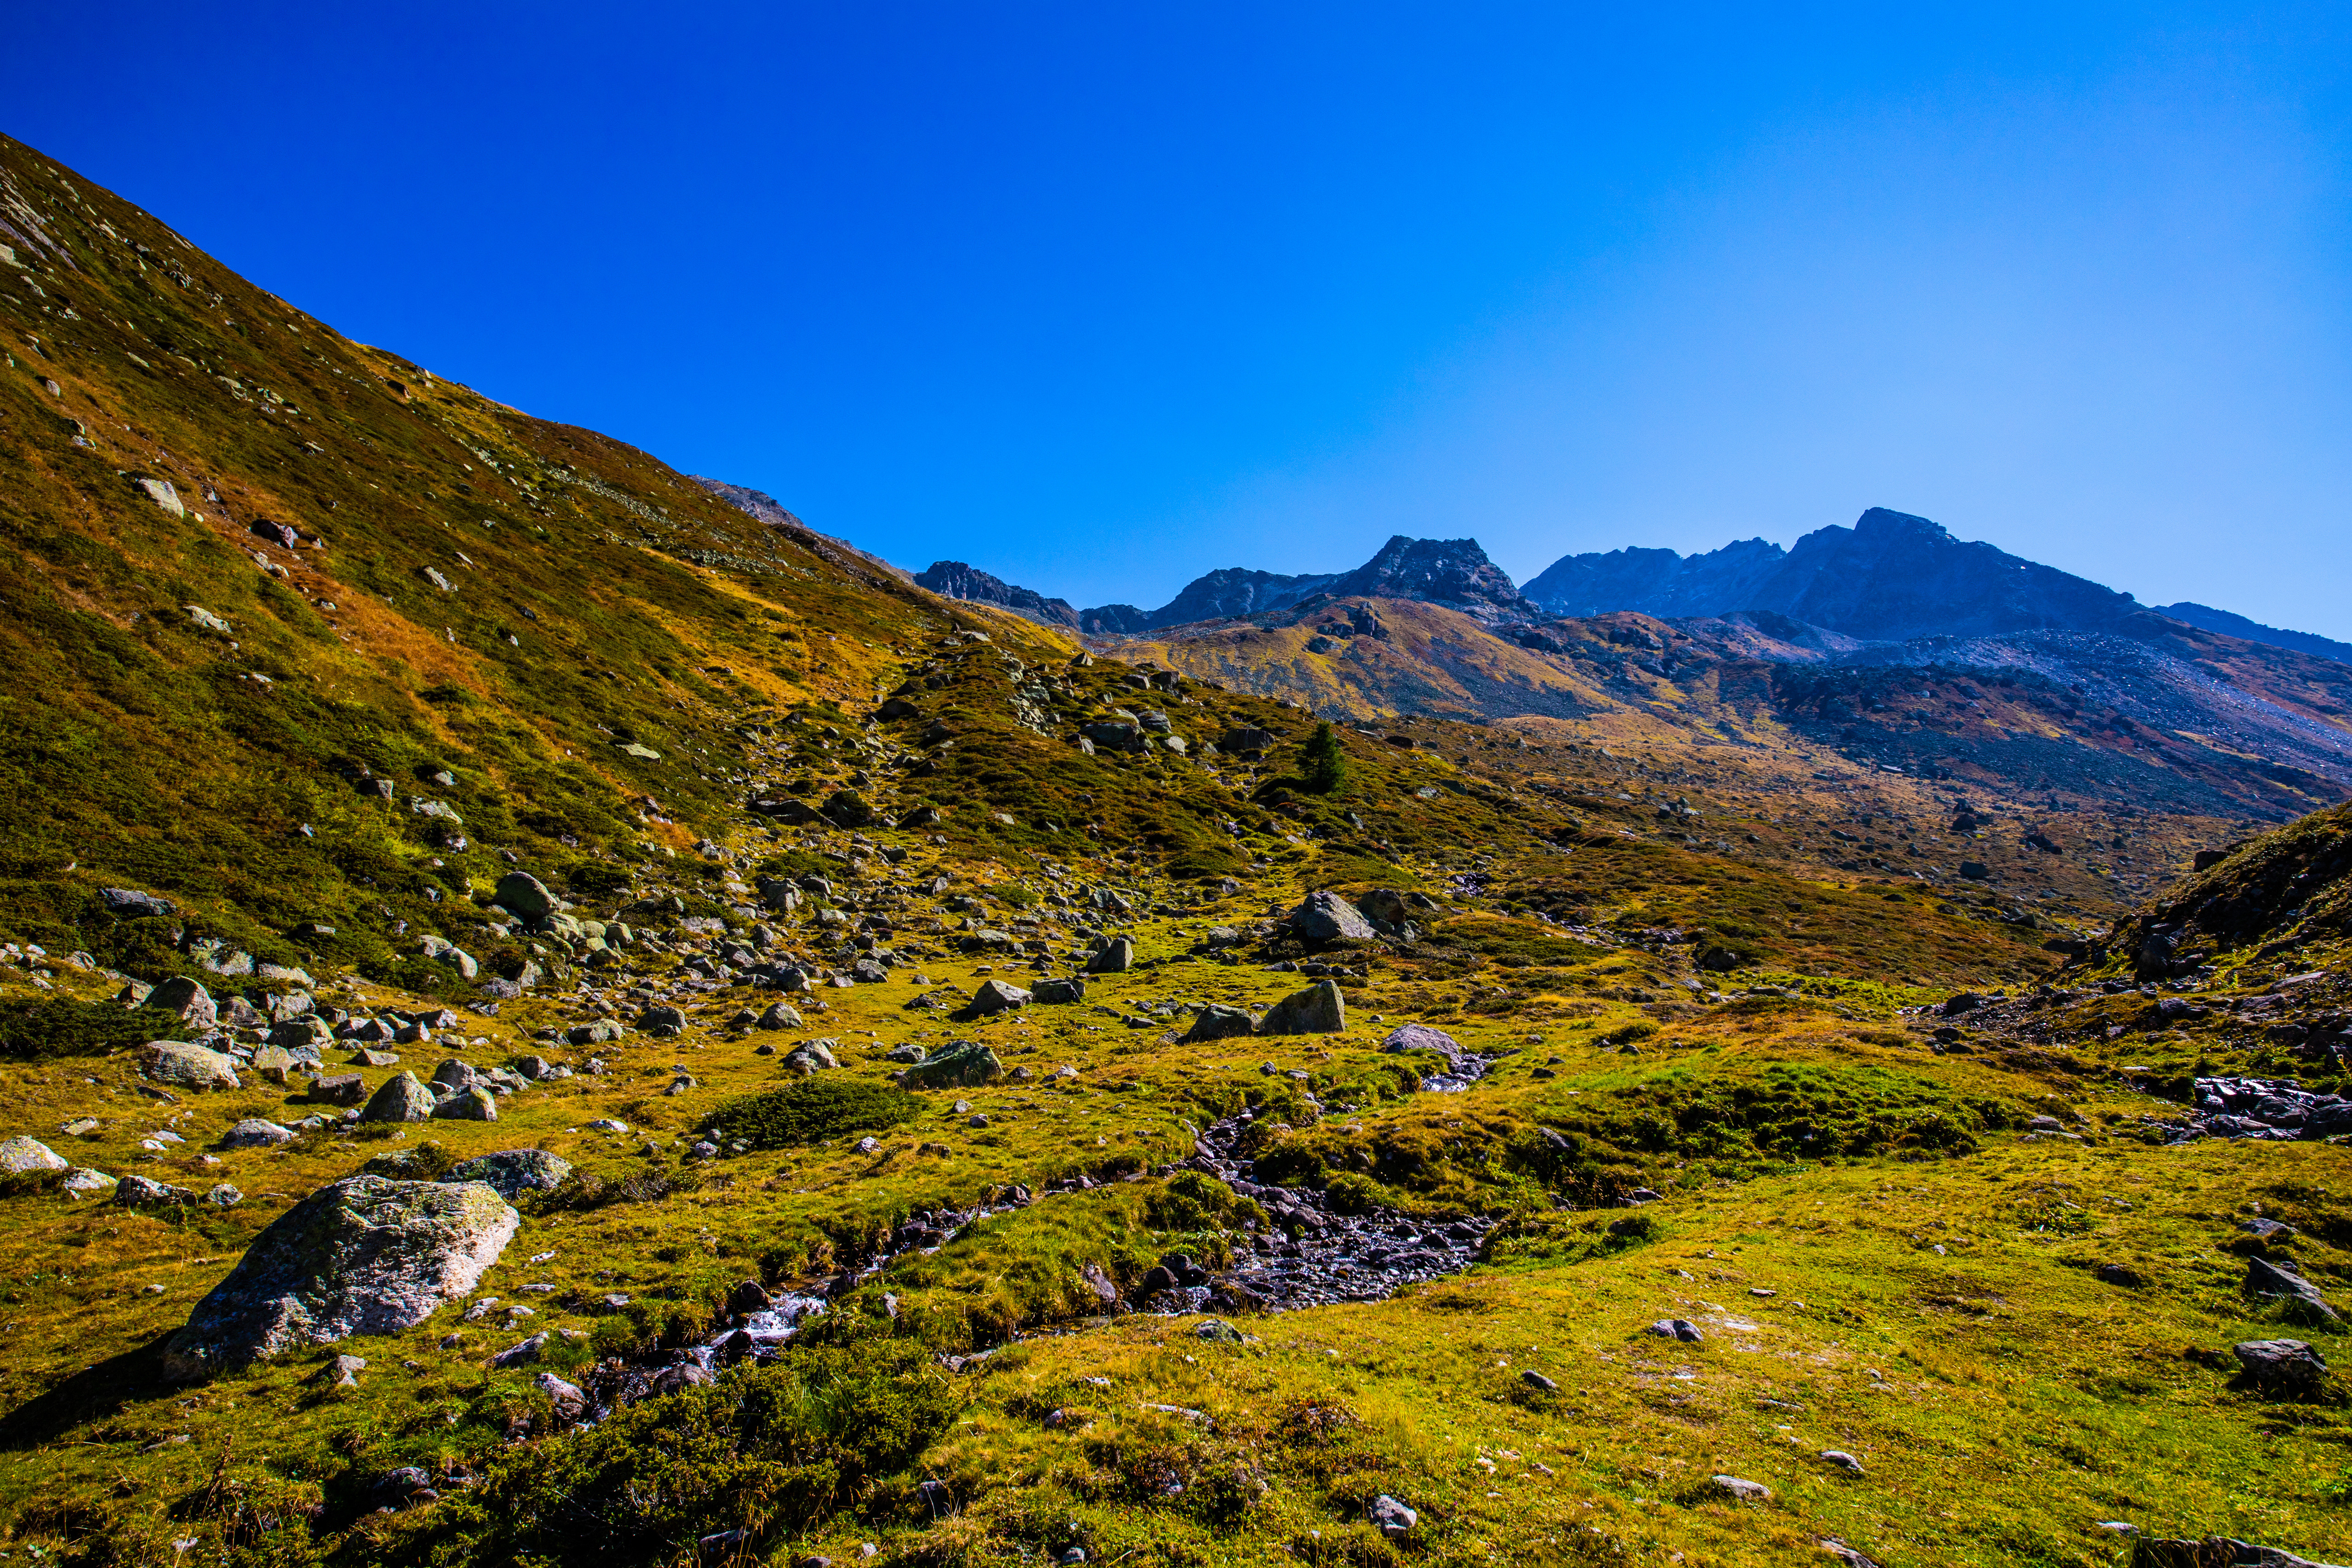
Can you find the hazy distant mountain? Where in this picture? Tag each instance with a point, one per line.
(2228, 624)
(1890, 577)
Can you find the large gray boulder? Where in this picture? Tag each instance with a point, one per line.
(365, 1256)
(467, 1105)
(255, 1132)
(1219, 1022)
(1116, 956)
(402, 1098)
(995, 997)
(2302, 1297)
(1317, 1010)
(1327, 918)
(524, 894)
(21, 1156)
(513, 1171)
(187, 1066)
(185, 1000)
(2280, 1365)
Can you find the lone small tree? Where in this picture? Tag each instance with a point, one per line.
(1322, 765)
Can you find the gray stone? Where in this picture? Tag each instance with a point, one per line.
(1219, 1022)
(534, 1067)
(253, 1133)
(221, 1195)
(1060, 993)
(603, 1032)
(402, 1098)
(522, 1353)
(1539, 1381)
(129, 904)
(811, 1057)
(186, 1066)
(1843, 1461)
(306, 1031)
(1317, 1010)
(525, 895)
(1739, 1491)
(994, 996)
(364, 1255)
(440, 950)
(1216, 1331)
(781, 1015)
(1392, 1517)
(19, 1156)
(2301, 1297)
(140, 1192)
(2281, 1367)
(965, 1065)
(909, 1054)
(662, 1023)
(1116, 956)
(1424, 1038)
(342, 1371)
(1385, 907)
(455, 1076)
(467, 1105)
(81, 1179)
(185, 1000)
(1326, 918)
(1681, 1329)
(338, 1088)
(569, 1403)
(513, 1171)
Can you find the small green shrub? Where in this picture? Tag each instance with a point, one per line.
(820, 1107)
(45, 1029)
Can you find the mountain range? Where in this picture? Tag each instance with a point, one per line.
(1893, 578)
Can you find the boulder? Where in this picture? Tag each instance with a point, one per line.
(1058, 993)
(908, 1055)
(1385, 907)
(465, 1105)
(994, 996)
(1681, 1329)
(811, 1057)
(603, 1032)
(1326, 918)
(523, 894)
(662, 1023)
(81, 1179)
(305, 1031)
(253, 1133)
(128, 903)
(221, 1195)
(21, 1156)
(440, 950)
(781, 1015)
(2280, 1366)
(1423, 1037)
(185, 1000)
(1219, 1022)
(965, 1065)
(510, 1173)
(571, 1405)
(454, 1076)
(189, 1067)
(140, 1192)
(2302, 1297)
(364, 1255)
(1392, 1517)
(402, 1098)
(338, 1088)
(1738, 1491)
(1317, 1010)
(1116, 956)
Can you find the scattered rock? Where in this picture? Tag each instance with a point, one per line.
(342, 1371)
(1116, 956)
(965, 1065)
(572, 1405)
(522, 1353)
(1392, 1517)
(253, 1133)
(2118, 1274)
(781, 1015)
(510, 1173)
(1679, 1329)
(1326, 918)
(1843, 1461)
(2281, 1367)
(523, 894)
(19, 1156)
(338, 1088)
(1060, 993)
(187, 1066)
(140, 1192)
(185, 1000)
(662, 1023)
(1738, 1491)
(1215, 1330)
(363, 1254)
(1539, 1381)
(994, 996)
(1317, 1010)
(476, 1104)
(1424, 1037)
(2302, 1297)
(1219, 1022)
(402, 1098)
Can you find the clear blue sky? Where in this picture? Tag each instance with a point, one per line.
(1100, 297)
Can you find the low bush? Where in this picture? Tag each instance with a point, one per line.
(825, 1106)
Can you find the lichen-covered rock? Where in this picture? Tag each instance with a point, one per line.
(1116, 956)
(402, 1098)
(994, 996)
(1424, 1038)
(525, 895)
(1317, 1010)
(364, 1255)
(513, 1171)
(467, 1105)
(141, 1193)
(186, 1066)
(965, 1066)
(185, 1000)
(19, 1156)
(254, 1132)
(1326, 918)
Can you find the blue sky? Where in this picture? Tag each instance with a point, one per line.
(1099, 298)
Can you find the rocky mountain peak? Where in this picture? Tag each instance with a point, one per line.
(959, 580)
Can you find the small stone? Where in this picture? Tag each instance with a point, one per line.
(223, 1196)
(570, 1403)
(402, 1098)
(1679, 1329)
(994, 996)
(2280, 1365)
(1216, 1331)
(522, 1353)
(187, 1066)
(1537, 1381)
(140, 1192)
(1843, 1461)
(1392, 1517)
(1739, 1491)
(1317, 1010)
(342, 1371)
